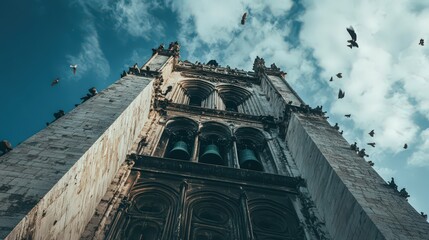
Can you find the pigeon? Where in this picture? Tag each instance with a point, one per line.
(331, 79)
(352, 42)
(167, 90)
(341, 94)
(336, 126)
(341, 132)
(347, 115)
(405, 146)
(339, 75)
(362, 153)
(404, 193)
(213, 63)
(5, 146)
(55, 81)
(59, 114)
(371, 133)
(371, 144)
(243, 18)
(392, 184)
(93, 91)
(371, 163)
(422, 42)
(73, 67)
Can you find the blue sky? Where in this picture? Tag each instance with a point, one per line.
(386, 80)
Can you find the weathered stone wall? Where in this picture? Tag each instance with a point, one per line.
(279, 93)
(351, 197)
(51, 183)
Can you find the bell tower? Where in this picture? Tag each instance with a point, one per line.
(181, 150)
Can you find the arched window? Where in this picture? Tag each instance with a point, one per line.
(252, 149)
(147, 214)
(196, 91)
(195, 101)
(178, 139)
(215, 144)
(271, 220)
(233, 96)
(212, 216)
(231, 106)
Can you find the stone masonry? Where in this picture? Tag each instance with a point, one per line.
(51, 184)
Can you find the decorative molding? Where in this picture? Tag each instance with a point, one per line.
(218, 173)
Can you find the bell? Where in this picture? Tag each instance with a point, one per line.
(248, 160)
(212, 155)
(179, 151)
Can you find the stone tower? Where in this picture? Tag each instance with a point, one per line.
(175, 150)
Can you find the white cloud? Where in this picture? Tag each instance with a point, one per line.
(90, 57)
(420, 157)
(385, 173)
(377, 76)
(134, 17)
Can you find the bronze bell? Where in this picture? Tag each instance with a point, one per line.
(248, 160)
(212, 155)
(179, 151)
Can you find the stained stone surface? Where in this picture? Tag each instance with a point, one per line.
(352, 198)
(51, 183)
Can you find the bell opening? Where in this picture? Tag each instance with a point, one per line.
(248, 160)
(211, 155)
(179, 151)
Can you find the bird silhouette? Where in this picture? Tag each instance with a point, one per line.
(336, 127)
(422, 42)
(93, 91)
(405, 146)
(341, 94)
(371, 133)
(169, 88)
(339, 75)
(55, 81)
(243, 18)
(371, 163)
(59, 114)
(73, 67)
(353, 35)
(331, 79)
(5, 147)
(347, 115)
(371, 144)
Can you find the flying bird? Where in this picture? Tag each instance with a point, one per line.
(371, 144)
(55, 81)
(331, 79)
(352, 42)
(405, 146)
(341, 94)
(73, 67)
(371, 133)
(243, 18)
(422, 42)
(339, 75)
(347, 115)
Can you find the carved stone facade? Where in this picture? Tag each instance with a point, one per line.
(195, 151)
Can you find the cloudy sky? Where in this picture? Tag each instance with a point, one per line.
(386, 79)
